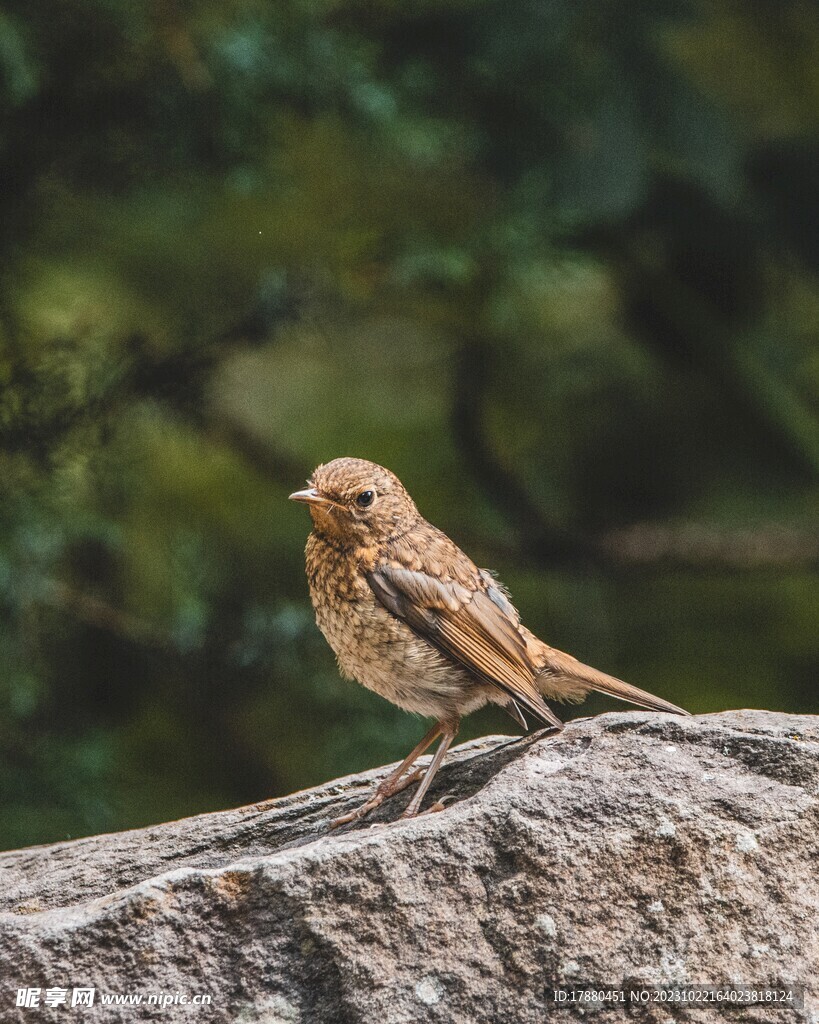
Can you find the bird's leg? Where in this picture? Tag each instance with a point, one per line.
(450, 731)
(393, 783)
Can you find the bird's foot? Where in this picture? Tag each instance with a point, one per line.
(387, 789)
(355, 815)
(439, 805)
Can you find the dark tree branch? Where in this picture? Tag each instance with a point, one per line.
(269, 462)
(656, 546)
(699, 546)
(102, 615)
(36, 419)
(546, 541)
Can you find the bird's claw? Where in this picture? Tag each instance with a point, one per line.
(356, 815)
(384, 792)
(439, 805)
(345, 819)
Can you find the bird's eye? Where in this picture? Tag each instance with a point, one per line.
(365, 499)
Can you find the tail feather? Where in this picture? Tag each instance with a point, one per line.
(565, 678)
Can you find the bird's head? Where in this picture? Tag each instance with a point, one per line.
(355, 502)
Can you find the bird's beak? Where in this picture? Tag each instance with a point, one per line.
(310, 496)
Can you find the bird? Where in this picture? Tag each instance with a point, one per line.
(411, 617)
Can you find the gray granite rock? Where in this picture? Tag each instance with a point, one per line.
(634, 848)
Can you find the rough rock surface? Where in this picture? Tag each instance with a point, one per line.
(633, 848)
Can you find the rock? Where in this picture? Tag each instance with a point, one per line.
(634, 848)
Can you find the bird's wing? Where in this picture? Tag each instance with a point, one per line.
(471, 625)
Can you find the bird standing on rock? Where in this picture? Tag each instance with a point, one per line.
(411, 617)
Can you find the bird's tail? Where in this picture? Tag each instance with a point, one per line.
(565, 678)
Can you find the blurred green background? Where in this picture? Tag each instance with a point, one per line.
(555, 263)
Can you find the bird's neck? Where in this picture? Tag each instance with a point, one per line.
(366, 552)
(343, 546)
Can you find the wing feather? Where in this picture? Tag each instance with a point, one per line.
(469, 626)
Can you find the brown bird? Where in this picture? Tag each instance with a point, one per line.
(411, 617)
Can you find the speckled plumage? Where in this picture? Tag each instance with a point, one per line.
(373, 646)
(412, 618)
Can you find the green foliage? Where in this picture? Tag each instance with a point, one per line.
(554, 263)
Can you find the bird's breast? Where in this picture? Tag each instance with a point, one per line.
(371, 645)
